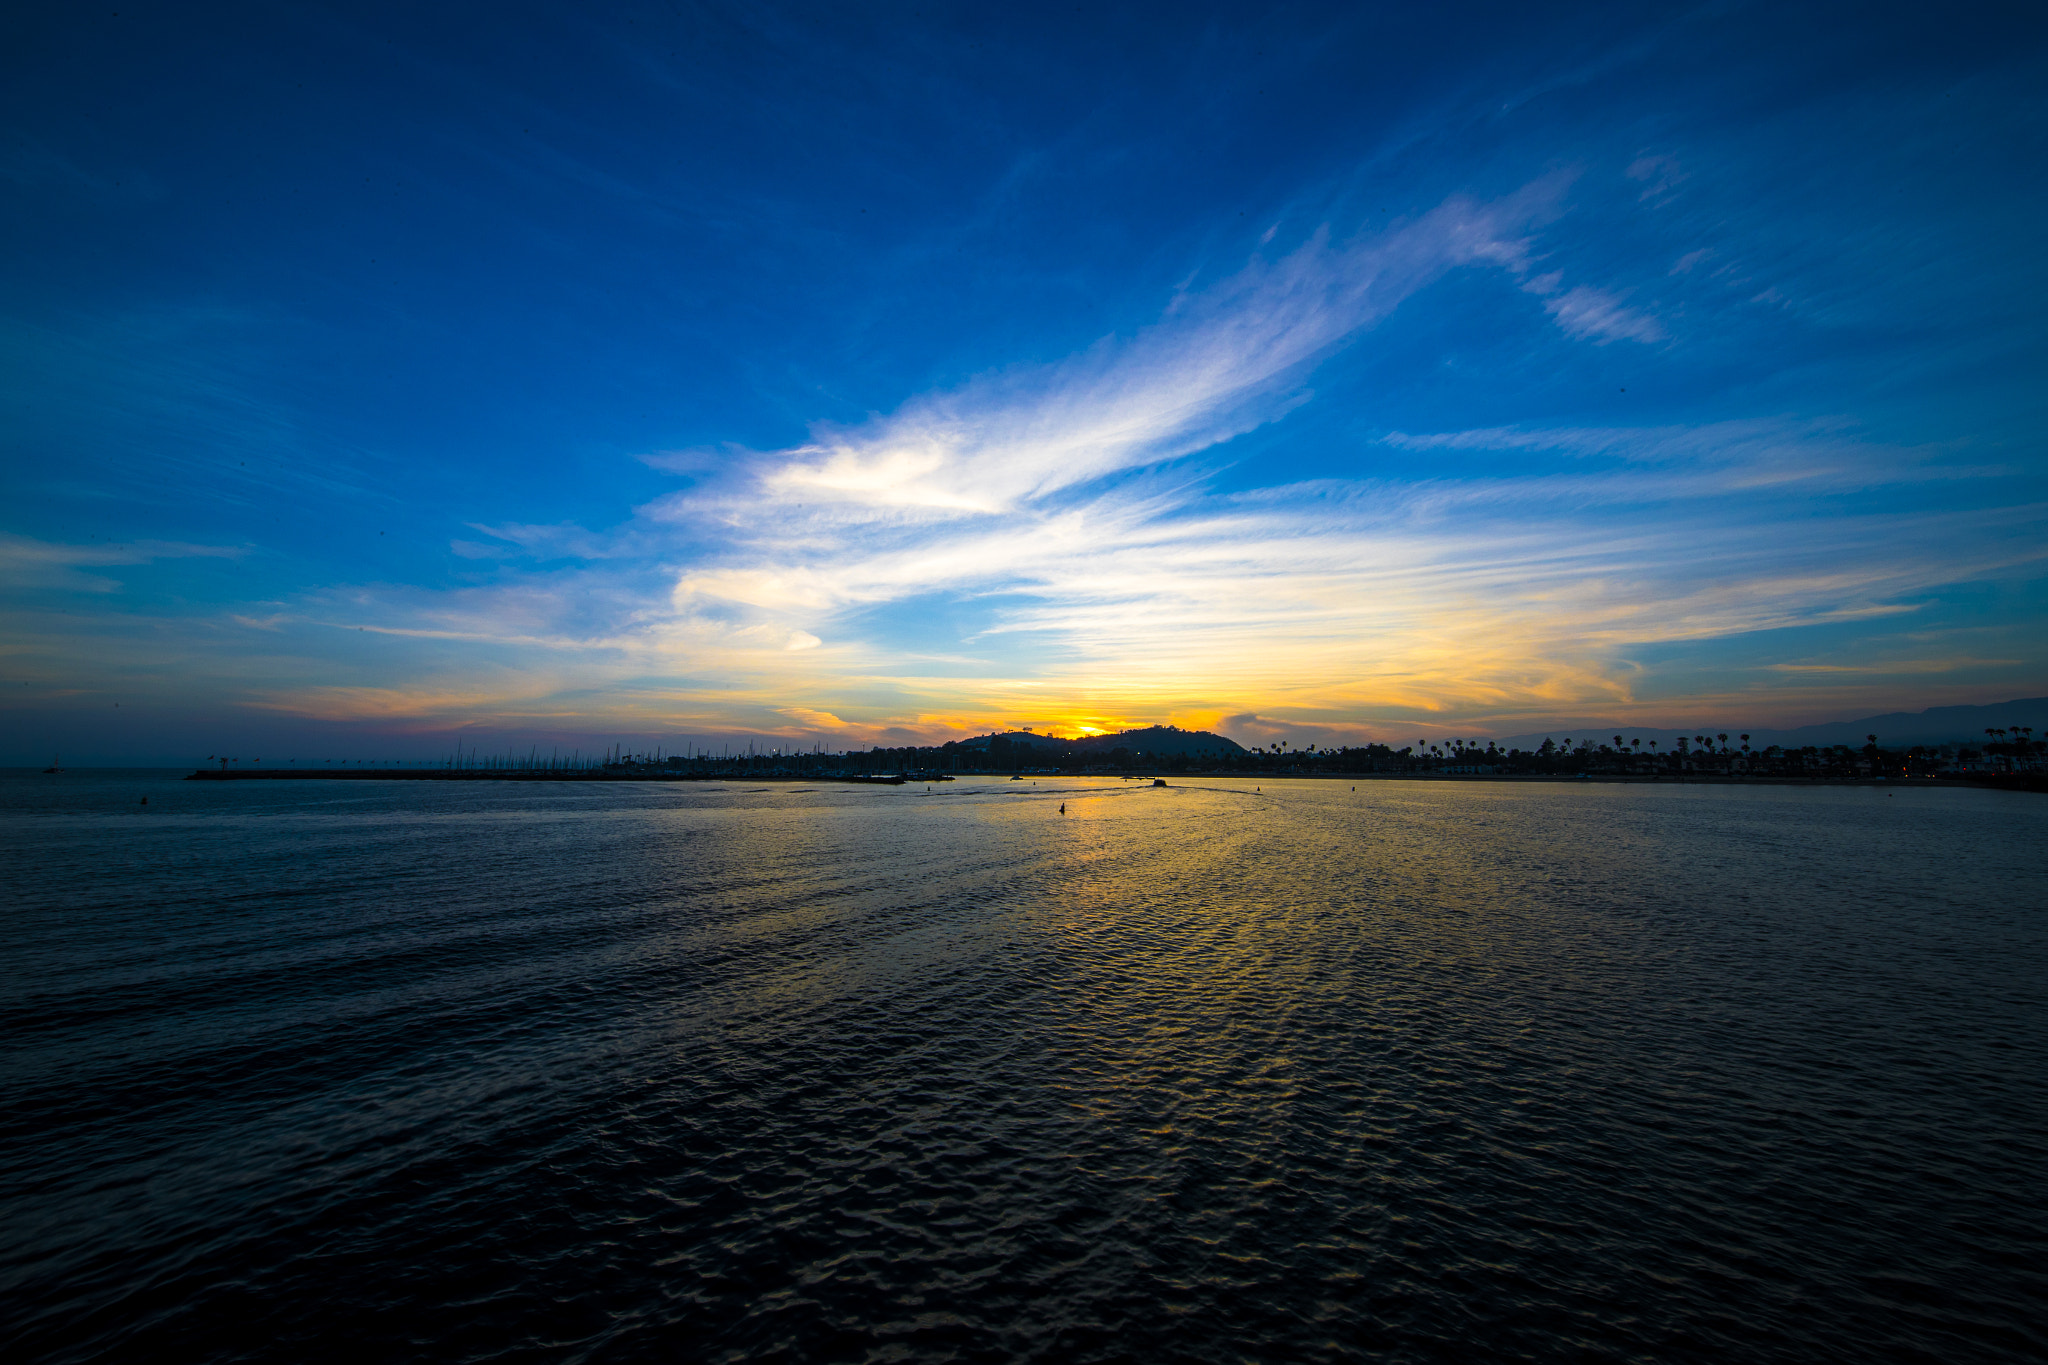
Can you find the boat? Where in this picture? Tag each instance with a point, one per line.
(53, 768)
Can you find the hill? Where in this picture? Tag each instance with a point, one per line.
(1152, 742)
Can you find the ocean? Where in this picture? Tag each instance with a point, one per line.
(1222, 1071)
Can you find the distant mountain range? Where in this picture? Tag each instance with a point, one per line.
(1154, 741)
(1936, 725)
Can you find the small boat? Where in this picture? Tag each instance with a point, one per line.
(1158, 781)
(53, 768)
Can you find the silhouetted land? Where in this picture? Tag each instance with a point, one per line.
(614, 772)
(2007, 759)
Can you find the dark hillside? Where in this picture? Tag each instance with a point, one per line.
(1146, 745)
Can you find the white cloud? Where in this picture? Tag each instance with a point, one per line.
(1081, 553)
(1218, 364)
(1347, 596)
(1588, 312)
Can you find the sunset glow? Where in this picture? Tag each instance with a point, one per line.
(1349, 382)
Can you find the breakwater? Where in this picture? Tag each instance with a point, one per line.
(544, 775)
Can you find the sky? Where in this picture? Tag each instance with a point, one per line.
(378, 380)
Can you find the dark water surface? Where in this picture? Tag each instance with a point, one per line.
(1431, 1071)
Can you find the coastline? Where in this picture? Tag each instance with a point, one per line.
(2030, 782)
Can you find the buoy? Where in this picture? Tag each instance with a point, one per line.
(145, 800)
(1063, 808)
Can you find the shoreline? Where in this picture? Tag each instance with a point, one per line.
(2033, 782)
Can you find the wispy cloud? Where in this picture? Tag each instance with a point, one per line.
(1589, 312)
(29, 563)
(1220, 362)
(1584, 311)
(1660, 176)
(564, 540)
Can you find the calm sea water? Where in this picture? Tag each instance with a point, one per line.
(1424, 1071)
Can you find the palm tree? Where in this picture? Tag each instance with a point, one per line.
(1745, 744)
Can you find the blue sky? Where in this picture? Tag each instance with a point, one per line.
(535, 375)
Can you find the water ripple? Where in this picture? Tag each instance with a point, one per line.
(1418, 1072)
